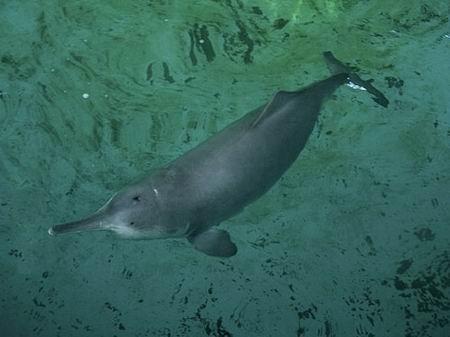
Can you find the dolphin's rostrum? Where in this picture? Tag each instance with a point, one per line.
(191, 195)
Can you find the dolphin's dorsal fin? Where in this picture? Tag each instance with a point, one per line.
(277, 100)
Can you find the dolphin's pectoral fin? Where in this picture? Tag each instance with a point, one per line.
(214, 242)
(277, 100)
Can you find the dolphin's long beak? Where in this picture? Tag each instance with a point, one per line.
(95, 222)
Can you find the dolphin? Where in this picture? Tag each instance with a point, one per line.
(191, 195)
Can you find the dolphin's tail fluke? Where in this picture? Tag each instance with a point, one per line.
(94, 222)
(337, 67)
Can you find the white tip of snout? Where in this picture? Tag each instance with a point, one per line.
(51, 232)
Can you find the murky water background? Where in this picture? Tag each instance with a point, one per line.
(353, 241)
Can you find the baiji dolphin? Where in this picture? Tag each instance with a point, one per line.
(217, 179)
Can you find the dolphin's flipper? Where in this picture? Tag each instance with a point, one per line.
(214, 242)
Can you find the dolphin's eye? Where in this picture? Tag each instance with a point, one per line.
(137, 198)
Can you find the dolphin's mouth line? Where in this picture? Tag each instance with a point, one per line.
(94, 222)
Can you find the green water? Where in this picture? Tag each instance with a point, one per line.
(354, 240)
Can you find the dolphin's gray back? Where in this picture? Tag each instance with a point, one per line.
(241, 162)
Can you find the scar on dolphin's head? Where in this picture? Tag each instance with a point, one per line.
(156, 191)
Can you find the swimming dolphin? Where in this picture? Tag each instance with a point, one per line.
(193, 194)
